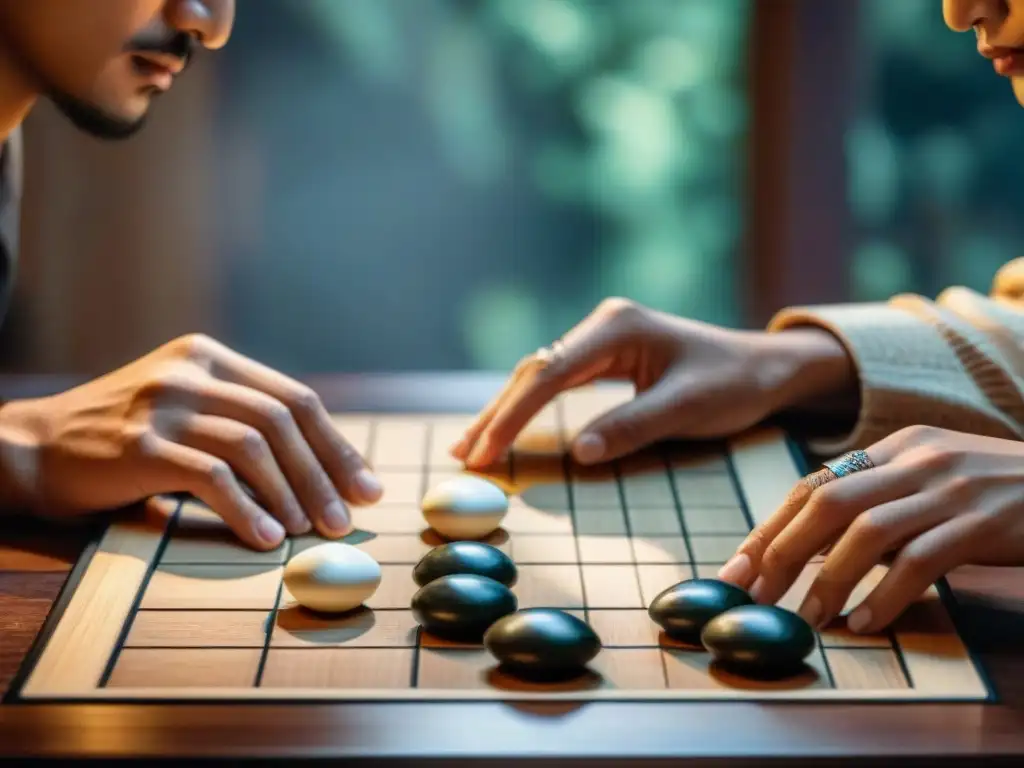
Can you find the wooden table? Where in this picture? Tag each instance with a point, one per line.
(34, 563)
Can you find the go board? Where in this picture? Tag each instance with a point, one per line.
(169, 606)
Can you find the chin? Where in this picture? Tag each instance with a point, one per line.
(100, 122)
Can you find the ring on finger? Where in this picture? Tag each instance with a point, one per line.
(847, 464)
(549, 354)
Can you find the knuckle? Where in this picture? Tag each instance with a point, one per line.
(145, 439)
(221, 476)
(933, 458)
(305, 402)
(755, 544)
(827, 498)
(960, 488)
(194, 346)
(277, 415)
(252, 445)
(625, 315)
(828, 580)
(775, 558)
(867, 530)
(616, 307)
(919, 557)
(917, 433)
(168, 381)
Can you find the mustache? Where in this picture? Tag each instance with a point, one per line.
(180, 45)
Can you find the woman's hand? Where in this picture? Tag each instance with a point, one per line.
(933, 501)
(693, 381)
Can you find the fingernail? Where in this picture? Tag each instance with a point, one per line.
(859, 619)
(758, 587)
(588, 448)
(458, 450)
(737, 570)
(270, 530)
(811, 611)
(478, 453)
(368, 484)
(336, 518)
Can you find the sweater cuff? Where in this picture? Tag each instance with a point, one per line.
(908, 372)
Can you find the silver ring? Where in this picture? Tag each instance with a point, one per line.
(848, 463)
(549, 354)
(845, 465)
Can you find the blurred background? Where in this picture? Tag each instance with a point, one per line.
(385, 185)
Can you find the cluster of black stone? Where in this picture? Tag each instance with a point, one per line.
(466, 595)
(755, 640)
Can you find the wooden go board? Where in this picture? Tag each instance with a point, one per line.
(171, 607)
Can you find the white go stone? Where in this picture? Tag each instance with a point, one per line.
(332, 578)
(467, 507)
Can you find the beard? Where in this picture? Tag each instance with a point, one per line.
(100, 123)
(94, 121)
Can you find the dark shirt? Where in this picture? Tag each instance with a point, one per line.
(10, 216)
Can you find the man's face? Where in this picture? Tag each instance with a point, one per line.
(999, 26)
(103, 62)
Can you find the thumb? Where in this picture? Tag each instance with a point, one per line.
(650, 416)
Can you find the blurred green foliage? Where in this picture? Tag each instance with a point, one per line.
(640, 123)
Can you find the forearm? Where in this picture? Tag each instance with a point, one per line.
(912, 361)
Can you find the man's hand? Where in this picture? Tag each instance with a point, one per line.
(935, 500)
(693, 381)
(193, 416)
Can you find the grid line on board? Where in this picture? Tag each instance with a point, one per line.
(129, 620)
(414, 671)
(567, 478)
(691, 553)
(677, 500)
(271, 621)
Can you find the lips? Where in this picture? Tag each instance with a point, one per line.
(158, 71)
(1008, 62)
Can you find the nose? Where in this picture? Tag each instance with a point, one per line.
(964, 15)
(209, 21)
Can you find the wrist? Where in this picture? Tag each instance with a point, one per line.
(815, 372)
(19, 456)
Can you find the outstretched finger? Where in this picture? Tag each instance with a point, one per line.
(464, 446)
(743, 567)
(571, 362)
(586, 357)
